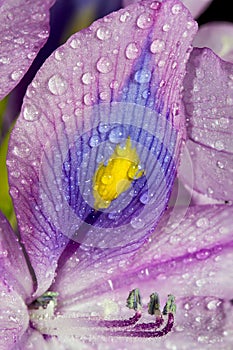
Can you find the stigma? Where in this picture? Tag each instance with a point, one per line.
(116, 177)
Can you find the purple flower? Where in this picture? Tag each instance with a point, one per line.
(92, 163)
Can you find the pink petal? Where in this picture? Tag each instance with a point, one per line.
(33, 339)
(24, 29)
(208, 97)
(190, 255)
(113, 61)
(15, 287)
(194, 6)
(218, 36)
(14, 269)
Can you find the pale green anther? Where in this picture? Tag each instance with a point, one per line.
(45, 299)
(154, 305)
(134, 300)
(170, 306)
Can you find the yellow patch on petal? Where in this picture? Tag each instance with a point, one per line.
(110, 180)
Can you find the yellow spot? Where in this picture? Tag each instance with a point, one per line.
(110, 180)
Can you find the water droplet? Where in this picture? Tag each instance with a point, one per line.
(59, 54)
(104, 95)
(107, 179)
(14, 192)
(17, 74)
(125, 17)
(174, 65)
(219, 164)
(57, 85)
(94, 141)
(114, 84)
(144, 199)
(202, 255)
(229, 101)
(30, 113)
(146, 93)
(103, 33)
(166, 27)
(137, 223)
(155, 5)
(223, 122)
(132, 51)
(22, 151)
(213, 304)
(88, 99)
(144, 21)
(219, 145)
(10, 16)
(75, 43)
(102, 127)
(161, 63)
(143, 76)
(157, 46)
(176, 9)
(88, 78)
(117, 134)
(202, 222)
(104, 65)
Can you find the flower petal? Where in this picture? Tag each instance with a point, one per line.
(92, 95)
(32, 339)
(189, 256)
(208, 97)
(13, 265)
(15, 286)
(195, 7)
(24, 28)
(218, 36)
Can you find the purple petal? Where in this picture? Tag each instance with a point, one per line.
(208, 97)
(33, 339)
(218, 37)
(14, 269)
(24, 29)
(93, 92)
(189, 255)
(194, 6)
(15, 287)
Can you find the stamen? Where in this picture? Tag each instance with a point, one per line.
(44, 300)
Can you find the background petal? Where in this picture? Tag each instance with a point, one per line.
(77, 82)
(15, 287)
(24, 28)
(218, 36)
(189, 256)
(208, 97)
(195, 7)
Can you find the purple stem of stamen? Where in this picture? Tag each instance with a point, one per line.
(149, 326)
(121, 323)
(147, 334)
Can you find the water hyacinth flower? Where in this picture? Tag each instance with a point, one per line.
(92, 162)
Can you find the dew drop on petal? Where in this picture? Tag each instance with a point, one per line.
(17, 74)
(144, 21)
(14, 192)
(22, 151)
(144, 199)
(219, 164)
(103, 33)
(142, 76)
(104, 65)
(88, 99)
(176, 9)
(137, 223)
(114, 84)
(75, 43)
(155, 5)
(94, 141)
(166, 27)
(132, 51)
(202, 255)
(30, 113)
(157, 46)
(219, 145)
(57, 85)
(88, 78)
(102, 127)
(125, 17)
(117, 134)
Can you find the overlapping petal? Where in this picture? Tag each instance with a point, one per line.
(15, 287)
(218, 36)
(188, 255)
(195, 7)
(208, 97)
(118, 79)
(24, 29)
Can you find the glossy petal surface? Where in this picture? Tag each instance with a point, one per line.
(218, 36)
(195, 7)
(32, 339)
(119, 78)
(15, 283)
(189, 255)
(24, 29)
(208, 97)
